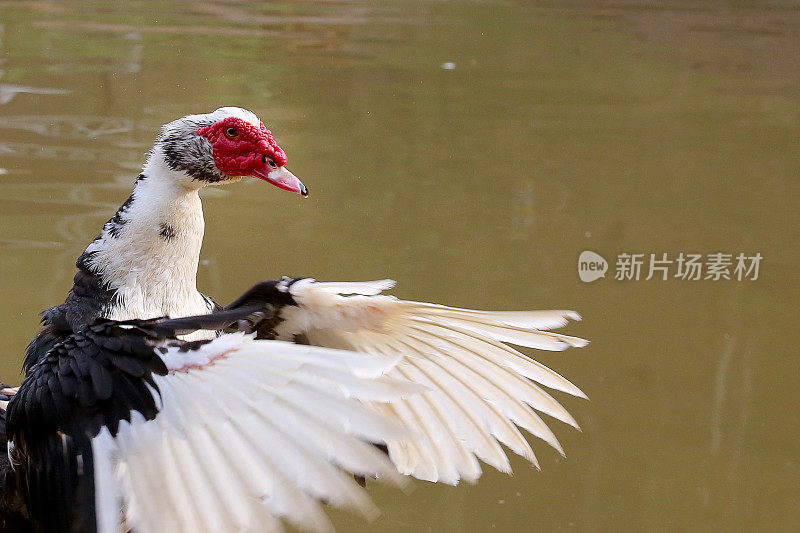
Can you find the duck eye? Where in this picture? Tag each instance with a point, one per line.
(270, 162)
(231, 132)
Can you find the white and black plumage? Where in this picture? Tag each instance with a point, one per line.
(144, 262)
(478, 390)
(123, 425)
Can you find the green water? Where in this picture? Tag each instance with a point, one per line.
(617, 127)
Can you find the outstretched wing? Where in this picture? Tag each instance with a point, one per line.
(479, 388)
(236, 434)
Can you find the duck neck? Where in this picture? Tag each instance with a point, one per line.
(146, 256)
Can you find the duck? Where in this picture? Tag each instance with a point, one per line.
(143, 264)
(123, 425)
(449, 380)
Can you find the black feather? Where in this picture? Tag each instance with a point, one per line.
(69, 385)
(93, 377)
(113, 344)
(127, 364)
(102, 381)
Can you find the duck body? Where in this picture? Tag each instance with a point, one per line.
(136, 359)
(114, 399)
(143, 265)
(144, 262)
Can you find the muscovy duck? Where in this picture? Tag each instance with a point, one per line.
(124, 426)
(144, 262)
(478, 389)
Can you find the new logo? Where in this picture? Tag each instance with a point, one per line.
(591, 266)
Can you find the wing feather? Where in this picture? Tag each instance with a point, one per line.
(366, 288)
(454, 343)
(248, 432)
(541, 320)
(463, 423)
(463, 462)
(495, 422)
(476, 417)
(480, 389)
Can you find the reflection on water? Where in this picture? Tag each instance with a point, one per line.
(471, 151)
(8, 92)
(68, 126)
(730, 415)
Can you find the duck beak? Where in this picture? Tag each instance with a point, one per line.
(283, 179)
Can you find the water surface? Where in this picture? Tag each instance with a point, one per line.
(470, 150)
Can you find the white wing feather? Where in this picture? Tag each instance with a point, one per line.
(479, 389)
(250, 432)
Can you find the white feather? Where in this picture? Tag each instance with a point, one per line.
(107, 502)
(366, 288)
(479, 388)
(249, 432)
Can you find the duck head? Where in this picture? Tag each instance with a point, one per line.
(223, 147)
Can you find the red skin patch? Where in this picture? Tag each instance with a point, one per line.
(240, 154)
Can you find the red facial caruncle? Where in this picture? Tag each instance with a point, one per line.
(243, 149)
